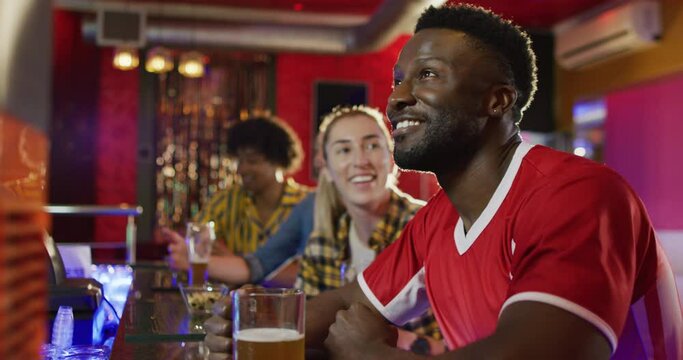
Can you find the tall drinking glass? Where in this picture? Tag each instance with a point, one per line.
(268, 324)
(199, 239)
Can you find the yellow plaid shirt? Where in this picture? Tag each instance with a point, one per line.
(323, 258)
(237, 222)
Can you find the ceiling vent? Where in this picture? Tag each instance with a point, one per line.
(590, 39)
(120, 25)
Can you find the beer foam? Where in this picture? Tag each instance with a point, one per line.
(199, 259)
(268, 335)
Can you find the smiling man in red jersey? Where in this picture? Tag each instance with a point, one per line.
(526, 252)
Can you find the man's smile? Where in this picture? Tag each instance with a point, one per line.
(405, 126)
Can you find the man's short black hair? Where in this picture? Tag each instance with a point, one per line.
(510, 43)
(268, 136)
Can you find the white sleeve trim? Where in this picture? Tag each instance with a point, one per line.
(569, 306)
(409, 303)
(371, 296)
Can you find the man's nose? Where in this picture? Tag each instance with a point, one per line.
(401, 96)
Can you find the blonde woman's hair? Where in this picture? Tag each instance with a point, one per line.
(328, 207)
(339, 112)
(328, 204)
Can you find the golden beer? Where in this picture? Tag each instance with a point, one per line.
(199, 239)
(198, 273)
(269, 344)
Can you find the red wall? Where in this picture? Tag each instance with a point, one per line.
(643, 143)
(93, 133)
(75, 79)
(116, 144)
(296, 77)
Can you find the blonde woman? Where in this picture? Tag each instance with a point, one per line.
(359, 211)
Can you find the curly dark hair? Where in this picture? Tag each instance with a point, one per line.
(269, 136)
(507, 41)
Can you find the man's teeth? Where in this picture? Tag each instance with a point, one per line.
(362, 178)
(406, 123)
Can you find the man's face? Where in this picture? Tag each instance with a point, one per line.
(358, 159)
(256, 172)
(436, 106)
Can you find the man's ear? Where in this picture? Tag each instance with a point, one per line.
(502, 98)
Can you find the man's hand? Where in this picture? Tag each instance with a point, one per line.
(358, 333)
(219, 326)
(177, 250)
(219, 329)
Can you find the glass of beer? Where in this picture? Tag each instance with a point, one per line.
(199, 239)
(268, 324)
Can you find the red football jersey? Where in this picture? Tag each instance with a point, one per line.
(559, 229)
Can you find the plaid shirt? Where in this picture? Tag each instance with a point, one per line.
(237, 221)
(324, 258)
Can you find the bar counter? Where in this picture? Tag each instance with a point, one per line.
(155, 323)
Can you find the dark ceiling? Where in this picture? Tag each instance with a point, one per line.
(529, 13)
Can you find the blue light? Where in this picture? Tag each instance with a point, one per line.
(115, 280)
(589, 113)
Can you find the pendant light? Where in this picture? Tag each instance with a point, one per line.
(159, 60)
(191, 64)
(126, 58)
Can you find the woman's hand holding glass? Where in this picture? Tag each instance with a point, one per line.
(178, 258)
(191, 252)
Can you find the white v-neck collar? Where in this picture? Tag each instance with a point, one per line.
(464, 241)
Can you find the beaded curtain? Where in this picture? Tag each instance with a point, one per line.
(193, 116)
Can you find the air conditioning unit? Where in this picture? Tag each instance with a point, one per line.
(121, 25)
(590, 39)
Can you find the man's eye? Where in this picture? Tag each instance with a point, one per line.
(427, 74)
(397, 82)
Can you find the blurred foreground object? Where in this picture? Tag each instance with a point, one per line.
(22, 254)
